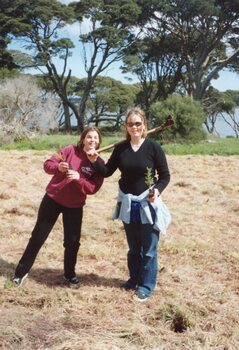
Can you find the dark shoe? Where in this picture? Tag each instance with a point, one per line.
(72, 280)
(140, 296)
(128, 286)
(19, 280)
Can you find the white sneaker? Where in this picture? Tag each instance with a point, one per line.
(72, 280)
(140, 296)
(19, 280)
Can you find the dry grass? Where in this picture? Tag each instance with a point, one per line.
(195, 305)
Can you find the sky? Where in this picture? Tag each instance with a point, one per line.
(226, 81)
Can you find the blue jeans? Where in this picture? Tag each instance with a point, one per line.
(142, 255)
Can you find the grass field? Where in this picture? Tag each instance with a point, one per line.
(212, 146)
(195, 304)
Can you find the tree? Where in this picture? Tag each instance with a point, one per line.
(109, 35)
(157, 65)
(24, 109)
(40, 23)
(46, 84)
(9, 24)
(206, 32)
(221, 104)
(108, 101)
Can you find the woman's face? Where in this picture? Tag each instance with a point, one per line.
(135, 126)
(91, 141)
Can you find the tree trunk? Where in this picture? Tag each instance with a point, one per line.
(82, 122)
(67, 117)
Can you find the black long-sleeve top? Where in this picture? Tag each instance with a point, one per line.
(133, 166)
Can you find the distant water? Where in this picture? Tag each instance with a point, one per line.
(223, 129)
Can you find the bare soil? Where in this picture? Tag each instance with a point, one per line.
(196, 302)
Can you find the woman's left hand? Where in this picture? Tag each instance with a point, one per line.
(72, 175)
(156, 195)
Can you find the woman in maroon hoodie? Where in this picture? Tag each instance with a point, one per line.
(73, 179)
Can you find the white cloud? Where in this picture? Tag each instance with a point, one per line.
(77, 28)
(72, 30)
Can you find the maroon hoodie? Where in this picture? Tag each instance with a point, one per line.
(72, 193)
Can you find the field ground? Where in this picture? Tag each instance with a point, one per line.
(196, 303)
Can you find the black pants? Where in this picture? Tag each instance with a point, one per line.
(48, 213)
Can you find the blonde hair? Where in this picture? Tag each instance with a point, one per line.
(139, 112)
(80, 143)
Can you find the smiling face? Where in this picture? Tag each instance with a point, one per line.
(91, 141)
(136, 124)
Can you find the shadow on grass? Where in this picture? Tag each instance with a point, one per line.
(54, 277)
(6, 268)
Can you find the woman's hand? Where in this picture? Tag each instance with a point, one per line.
(92, 155)
(72, 175)
(155, 196)
(63, 167)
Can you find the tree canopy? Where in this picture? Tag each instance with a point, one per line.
(171, 46)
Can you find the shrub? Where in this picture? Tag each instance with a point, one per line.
(188, 117)
(24, 109)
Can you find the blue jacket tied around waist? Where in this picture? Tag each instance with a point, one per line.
(162, 214)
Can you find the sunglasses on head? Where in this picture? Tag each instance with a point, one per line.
(130, 125)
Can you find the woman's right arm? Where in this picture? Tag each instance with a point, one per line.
(56, 163)
(109, 168)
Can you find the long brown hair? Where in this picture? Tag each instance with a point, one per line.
(80, 143)
(139, 112)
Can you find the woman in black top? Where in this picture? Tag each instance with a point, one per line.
(134, 158)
